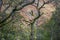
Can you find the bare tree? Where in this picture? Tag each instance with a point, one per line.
(14, 10)
(20, 6)
(34, 20)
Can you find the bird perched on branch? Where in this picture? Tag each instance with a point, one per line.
(1, 2)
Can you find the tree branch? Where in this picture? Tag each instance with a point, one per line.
(15, 9)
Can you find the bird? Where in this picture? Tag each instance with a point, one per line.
(1, 2)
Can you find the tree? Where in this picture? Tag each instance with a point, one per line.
(29, 17)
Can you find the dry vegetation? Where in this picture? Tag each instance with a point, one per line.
(28, 20)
